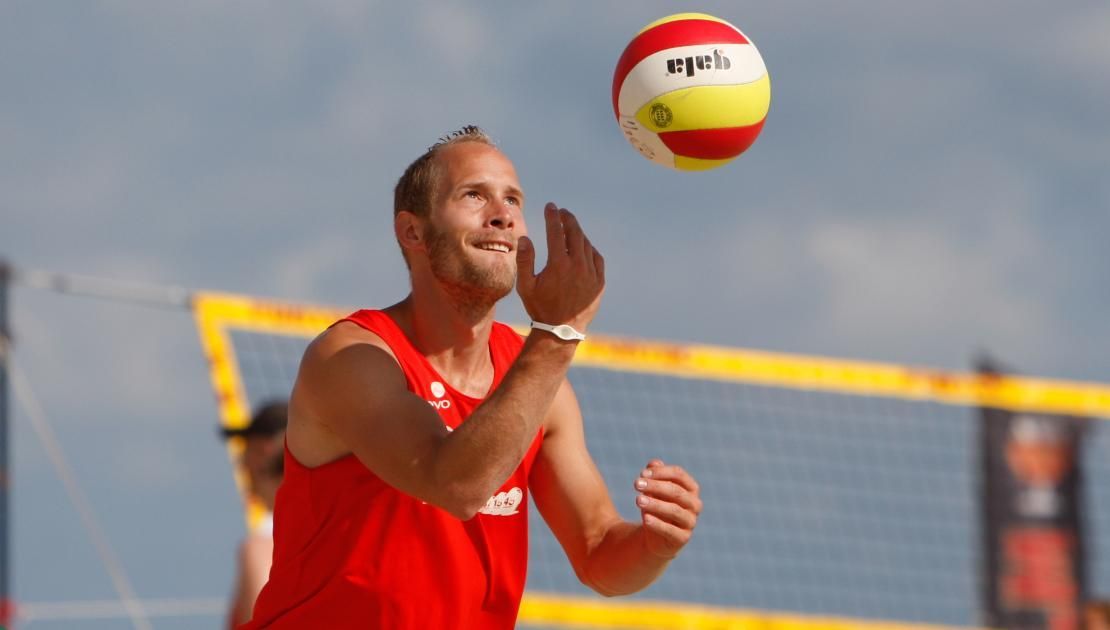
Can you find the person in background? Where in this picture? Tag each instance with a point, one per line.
(1096, 615)
(264, 464)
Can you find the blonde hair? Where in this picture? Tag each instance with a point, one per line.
(417, 188)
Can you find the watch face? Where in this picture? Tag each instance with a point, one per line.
(567, 333)
(562, 331)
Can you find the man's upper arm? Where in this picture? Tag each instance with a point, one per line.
(566, 485)
(353, 388)
(253, 571)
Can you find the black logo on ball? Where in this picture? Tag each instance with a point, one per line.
(690, 65)
(661, 115)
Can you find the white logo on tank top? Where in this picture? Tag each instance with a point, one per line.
(503, 503)
(438, 390)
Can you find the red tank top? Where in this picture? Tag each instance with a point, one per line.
(351, 551)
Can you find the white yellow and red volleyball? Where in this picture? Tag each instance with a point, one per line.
(691, 92)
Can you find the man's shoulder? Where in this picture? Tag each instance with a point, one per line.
(343, 335)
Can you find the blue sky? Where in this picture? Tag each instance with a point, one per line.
(931, 182)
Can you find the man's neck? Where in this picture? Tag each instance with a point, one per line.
(453, 337)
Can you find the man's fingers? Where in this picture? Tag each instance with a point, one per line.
(665, 510)
(525, 265)
(556, 239)
(575, 237)
(669, 505)
(672, 473)
(594, 261)
(588, 254)
(670, 492)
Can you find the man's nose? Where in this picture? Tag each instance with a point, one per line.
(502, 216)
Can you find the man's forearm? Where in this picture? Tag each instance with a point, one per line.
(484, 451)
(621, 563)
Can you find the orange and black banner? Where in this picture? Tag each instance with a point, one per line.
(1033, 552)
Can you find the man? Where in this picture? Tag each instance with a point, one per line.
(263, 461)
(418, 433)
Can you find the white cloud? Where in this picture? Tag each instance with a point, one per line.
(955, 263)
(1081, 39)
(456, 36)
(307, 265)
(901, 287)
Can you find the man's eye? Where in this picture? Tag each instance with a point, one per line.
(473, 194)
(513, 200)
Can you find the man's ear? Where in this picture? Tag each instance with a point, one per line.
(409, 230)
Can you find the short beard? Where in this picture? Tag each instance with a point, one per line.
(473, 288)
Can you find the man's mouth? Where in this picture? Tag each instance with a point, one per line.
(495, 246)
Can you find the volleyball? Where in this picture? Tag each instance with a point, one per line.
(691, 92)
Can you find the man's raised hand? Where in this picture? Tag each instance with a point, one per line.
(568, 289)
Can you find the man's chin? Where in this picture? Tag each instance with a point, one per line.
(481, 292)
(497, 290)
(496, 283)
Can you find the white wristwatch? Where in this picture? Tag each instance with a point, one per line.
(562, 331)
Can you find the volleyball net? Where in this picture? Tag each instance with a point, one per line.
(837, 493)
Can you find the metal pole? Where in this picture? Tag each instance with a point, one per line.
(170, 297)
(5, 478)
